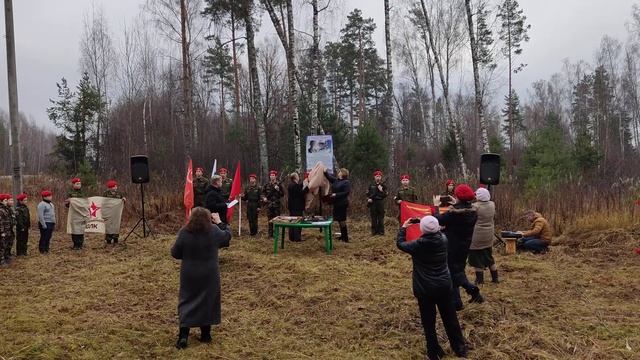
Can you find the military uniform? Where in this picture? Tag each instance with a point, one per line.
(23, 223)
(376, 207)
(6, 231)
(406, 194)
(200, 184)
(252, 196)
(273, 197)
(12, 234)
(114, 194)
(226, 188)
(78, 239)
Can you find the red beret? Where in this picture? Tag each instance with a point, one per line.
(464, 193)
(46, 193)
(377, 173)
(405, 176)
(451, 182)
(222, 170)
(273, 172)
(5, 197)
(252, 176)
(200, 169)
(111, 184)
(21, 197)
(75, 180)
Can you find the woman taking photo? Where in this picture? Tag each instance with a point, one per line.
(432, 285)
(340, 189)
(197, 246)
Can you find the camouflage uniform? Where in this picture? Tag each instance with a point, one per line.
(376, 208)
(406, 194)
(226, 188)
(6, 231)
(78, 239)
(200, 184)
(273, 197)
(252, 197)
(114, 194)
(23, 223)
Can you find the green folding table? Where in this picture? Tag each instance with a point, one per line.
(325, 226)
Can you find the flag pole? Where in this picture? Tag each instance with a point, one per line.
(240, 218)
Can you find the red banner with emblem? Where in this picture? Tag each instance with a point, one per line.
(188, 191)
(409, 210)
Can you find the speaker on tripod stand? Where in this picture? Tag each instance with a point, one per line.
(140, 175)
(490, 169)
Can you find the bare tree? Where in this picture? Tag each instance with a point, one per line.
(388, 108)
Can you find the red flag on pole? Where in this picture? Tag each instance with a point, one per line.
(235, 190)
(409, 210)
(188, 191)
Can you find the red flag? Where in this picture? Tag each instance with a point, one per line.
(188, 191)
(235, 190)
(409, 210)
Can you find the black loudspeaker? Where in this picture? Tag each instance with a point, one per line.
(139, 169)
(490, 169)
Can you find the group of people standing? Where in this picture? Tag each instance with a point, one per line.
(16, 222)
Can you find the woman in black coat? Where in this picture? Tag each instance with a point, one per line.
(214, 201)
(432, 285)
(295, 202)
(459, 223)
(197, 246)
(340, 190)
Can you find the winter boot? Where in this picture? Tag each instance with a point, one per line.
(479, 277)
(475, 295)
(494, 276)
(344, 233)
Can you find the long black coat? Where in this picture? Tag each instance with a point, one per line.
(342, 189)
(216, 203)
(295, 201)
(199, 303)
(429, 256)
(459, 222)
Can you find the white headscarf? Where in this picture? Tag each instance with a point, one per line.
(429, 225)
(483, 195)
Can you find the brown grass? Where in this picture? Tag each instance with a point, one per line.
(575, 302)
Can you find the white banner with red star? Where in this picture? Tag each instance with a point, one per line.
(96, 214)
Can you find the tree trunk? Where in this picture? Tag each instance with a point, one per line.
(476, 79)
(236, 76)
(445, 93)
(388, 111)
(315, 70)
(293, 90)
(186, 82)
(256, 106)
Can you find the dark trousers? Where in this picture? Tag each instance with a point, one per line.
(45, 237)
(205, 332)
(295, 234)
(428, 304)
(533, 244)
(252, 216)
(21, 244)
(271, 213)
(109, 238)
(8, 245)
(457, 262)
(376, 212)
(78, 240)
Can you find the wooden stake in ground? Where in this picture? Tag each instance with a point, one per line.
(14, 119)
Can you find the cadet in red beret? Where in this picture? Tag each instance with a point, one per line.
(200, 186)
(23, 222)
(375, 201)
(405, 193)
(226, 183)
(46, 221)
(459, 223)
(6, 229)
(113, 193)
(272, 193)
(76, 192)
(252, 196)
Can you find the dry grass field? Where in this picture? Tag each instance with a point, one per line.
(579, 301)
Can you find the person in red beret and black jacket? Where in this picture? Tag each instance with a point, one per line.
(23, 223)
(376, 194)
(459, 222)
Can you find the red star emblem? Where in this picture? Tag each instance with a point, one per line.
(93, 210)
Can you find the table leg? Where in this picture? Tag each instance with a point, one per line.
(282, 238)
(326, 241)
(330, 239)
(276, 230)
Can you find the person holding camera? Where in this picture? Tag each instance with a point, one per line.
(197, 246)
(432, 285)
(459, 222)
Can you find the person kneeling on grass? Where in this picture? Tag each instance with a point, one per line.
(432, 285)
(537, 239)
(197, 246)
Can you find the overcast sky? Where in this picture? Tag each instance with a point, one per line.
(48, 35)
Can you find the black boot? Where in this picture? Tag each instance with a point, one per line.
(479, 277)
(205, 334)
(435, 354)
(475, 295)
(344, 233)
(182, 338)
(494, 276)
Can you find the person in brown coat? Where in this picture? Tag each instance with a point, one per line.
(480, 251)
(537, 239)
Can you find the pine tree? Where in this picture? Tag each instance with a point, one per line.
(513, 119)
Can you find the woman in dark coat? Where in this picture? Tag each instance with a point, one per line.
(459, 222)
(197, 246)
(432, 285)
(214, 201)
(295, 202)
(340, 190)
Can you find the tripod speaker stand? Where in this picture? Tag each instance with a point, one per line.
(140, 175)
(146, 228)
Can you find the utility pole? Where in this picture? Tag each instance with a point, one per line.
(14, 118)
